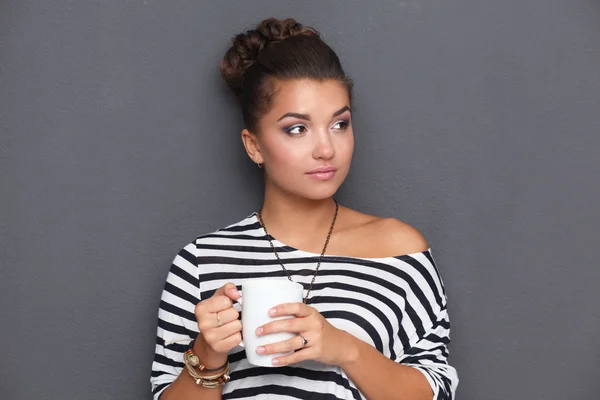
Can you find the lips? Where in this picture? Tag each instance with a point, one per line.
(323, 170)
(323, 173)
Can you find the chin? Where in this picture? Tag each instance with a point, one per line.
(320, 192)
(316, 197)
(311, 190)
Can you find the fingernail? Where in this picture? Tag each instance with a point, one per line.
(260, 350)
(233, 291)
(259, 331)
(275, 361)
(272, 311)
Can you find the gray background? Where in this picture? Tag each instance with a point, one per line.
(476, 121)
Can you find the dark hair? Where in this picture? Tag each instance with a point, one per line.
(276, 49)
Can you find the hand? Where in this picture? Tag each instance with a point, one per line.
(326, 343)
(217, 340)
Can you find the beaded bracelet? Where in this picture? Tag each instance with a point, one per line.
(195, 361)
(210, 382)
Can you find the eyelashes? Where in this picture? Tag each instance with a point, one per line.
(298, 129)
(344, 123)
(290, 130)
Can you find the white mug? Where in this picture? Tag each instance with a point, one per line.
(258, 297)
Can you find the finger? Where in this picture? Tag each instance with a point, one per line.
(295, 357)
(233, 293)
(226, 316)
(216, 334)
(229, 289)
(228, 343)
(214, 320)
(213, 305)
(295, 343)
(208, 321)
(206, 311)
(293, 325)
(295, 309)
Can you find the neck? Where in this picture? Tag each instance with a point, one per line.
(297, 221)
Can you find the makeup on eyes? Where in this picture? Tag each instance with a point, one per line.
(307, 117)
(291, 128)
(344, 122)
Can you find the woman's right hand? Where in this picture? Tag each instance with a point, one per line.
(214, 341)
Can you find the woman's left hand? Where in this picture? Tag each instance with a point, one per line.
(325, 343)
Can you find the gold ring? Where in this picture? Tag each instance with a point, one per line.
(219, 323)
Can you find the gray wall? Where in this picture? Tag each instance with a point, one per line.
(476, 121)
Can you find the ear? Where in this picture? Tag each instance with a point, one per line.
(252, 147)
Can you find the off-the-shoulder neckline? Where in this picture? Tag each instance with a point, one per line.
(277, 243)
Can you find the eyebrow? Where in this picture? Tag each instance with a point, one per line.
(307, 117)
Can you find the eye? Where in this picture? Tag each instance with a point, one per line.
(294, 130)
(344, 124)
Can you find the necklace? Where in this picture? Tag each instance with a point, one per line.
(320, 258)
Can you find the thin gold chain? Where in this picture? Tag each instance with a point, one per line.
(320, 258)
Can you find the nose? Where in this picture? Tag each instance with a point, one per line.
(323, 147)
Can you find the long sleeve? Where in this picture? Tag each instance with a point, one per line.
(428, 352)
(430, 356)
(177, 324)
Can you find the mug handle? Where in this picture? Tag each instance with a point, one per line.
(241, 344)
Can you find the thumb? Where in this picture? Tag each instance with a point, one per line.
(229, 289)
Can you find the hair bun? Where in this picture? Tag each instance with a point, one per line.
(246, 47)
(274, 30)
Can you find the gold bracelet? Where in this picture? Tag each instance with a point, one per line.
(195, 374)
(210, 382)
(195, 361)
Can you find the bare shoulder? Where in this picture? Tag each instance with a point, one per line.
(373, 236)
(397, 234)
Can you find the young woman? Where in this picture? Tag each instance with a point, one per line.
(374, 323)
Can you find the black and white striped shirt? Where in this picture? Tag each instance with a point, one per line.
(396, 304)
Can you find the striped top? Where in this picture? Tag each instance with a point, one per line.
(396, 304)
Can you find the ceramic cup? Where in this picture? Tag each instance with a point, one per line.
(258, 297)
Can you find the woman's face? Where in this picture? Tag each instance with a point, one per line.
(308, 127)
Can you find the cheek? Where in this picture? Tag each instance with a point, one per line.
(345, 148)
(287, 156)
